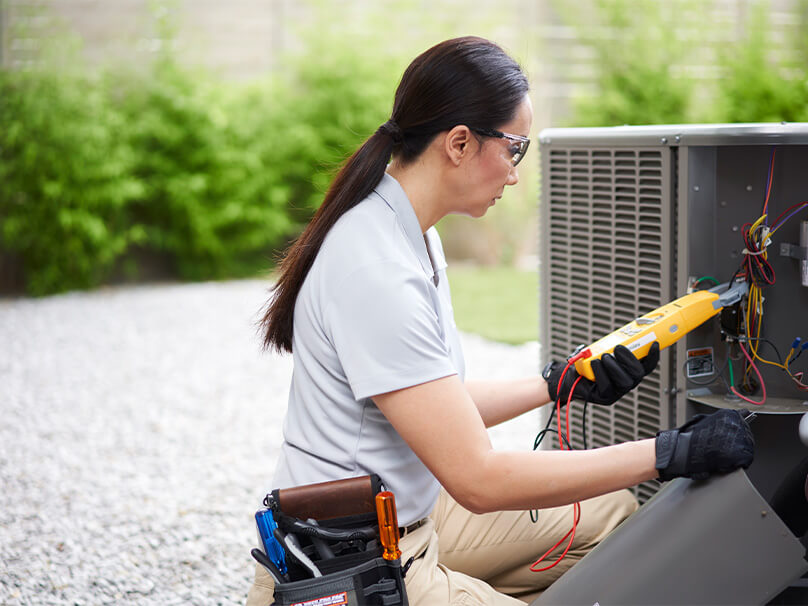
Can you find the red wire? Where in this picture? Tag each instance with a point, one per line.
(569, 405)
(576, 508)
(753, 260)
(771, 179)
(571, 531)
(558, 402)
(762, 384)
(774, 223)
(797, 378)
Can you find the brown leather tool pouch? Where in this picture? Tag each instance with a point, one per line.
(328, 500)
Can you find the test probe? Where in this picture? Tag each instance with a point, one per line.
(665, 325)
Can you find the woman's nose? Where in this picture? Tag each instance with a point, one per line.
(513, 177)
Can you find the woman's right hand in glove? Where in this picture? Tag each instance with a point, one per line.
(615, 375)
(707, 444)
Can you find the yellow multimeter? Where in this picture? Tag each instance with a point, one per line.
(666, 324)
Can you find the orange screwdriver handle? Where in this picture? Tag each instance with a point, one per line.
(388, 524)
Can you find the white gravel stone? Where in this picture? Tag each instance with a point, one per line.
(140, 429)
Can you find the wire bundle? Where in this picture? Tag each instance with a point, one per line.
(759, 273)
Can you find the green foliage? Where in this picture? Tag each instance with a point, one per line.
(100, 171)
(206, 204)
(104, 172)
(642, 58)
(328, 102)
(65, 179)
(756, 88)
(636, 53)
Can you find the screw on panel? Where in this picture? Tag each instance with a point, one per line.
(696, 188)
(664, 139)
(734, 228)
(677, 138)
(723, 203)
(748, 188)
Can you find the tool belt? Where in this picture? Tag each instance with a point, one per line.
(322, 544)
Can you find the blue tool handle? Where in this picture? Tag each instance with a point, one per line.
(264, 560)
(266, 525)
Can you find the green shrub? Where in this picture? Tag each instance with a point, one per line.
(754, 87)
(637, 61)
(643, 52)
(206, 203)
(65, 179)
(332, 97)
(210, 177)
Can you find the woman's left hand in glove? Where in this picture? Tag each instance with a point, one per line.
(615, 375)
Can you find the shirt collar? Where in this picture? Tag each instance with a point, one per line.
(390, 190)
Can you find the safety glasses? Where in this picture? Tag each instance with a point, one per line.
(518, 144)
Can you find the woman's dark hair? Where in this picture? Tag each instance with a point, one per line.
(469, 81)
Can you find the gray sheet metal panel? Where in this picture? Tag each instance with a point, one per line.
(713, 542)
(787, 133)
(697, 243)
(606, 253)
(683, 260)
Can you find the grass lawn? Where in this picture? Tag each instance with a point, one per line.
(498, 303)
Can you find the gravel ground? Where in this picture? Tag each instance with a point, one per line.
(140, 428)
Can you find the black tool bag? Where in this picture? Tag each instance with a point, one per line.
(377, 581)
(345, 549)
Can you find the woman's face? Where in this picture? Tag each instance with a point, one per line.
(491, 169)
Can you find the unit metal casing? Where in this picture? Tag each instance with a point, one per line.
(628, 216)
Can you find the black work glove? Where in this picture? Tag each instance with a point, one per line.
(615, 376)
(707, 444)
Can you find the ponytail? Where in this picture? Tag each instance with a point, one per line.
(354, 182)
(466, 80)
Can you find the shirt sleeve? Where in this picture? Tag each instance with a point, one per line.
(385, 330)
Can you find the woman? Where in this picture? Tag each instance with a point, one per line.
(363, 305)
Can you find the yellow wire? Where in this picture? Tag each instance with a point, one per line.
(756, 224)
(752, 305)
(761, 245)
(755, 300)
(777, 365)
(749, 304)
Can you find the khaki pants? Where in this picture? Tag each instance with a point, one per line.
(464, 558)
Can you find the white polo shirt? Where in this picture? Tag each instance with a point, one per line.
(369, 319)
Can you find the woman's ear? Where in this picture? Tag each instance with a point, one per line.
(456, 143)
